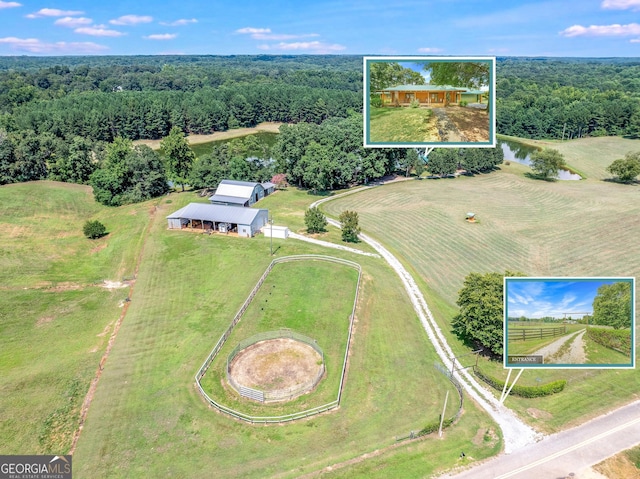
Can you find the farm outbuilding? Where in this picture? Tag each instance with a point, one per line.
(240, 193)
(219, 218)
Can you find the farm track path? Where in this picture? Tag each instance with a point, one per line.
(516, 433)
(573, 355)
(86, 403)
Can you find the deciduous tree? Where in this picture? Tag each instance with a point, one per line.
(315, 221)
(350, 227)
(612, 305)
(626, 169)
(179, 156)
(546, 162)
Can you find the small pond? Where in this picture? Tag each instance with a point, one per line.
(520, 153)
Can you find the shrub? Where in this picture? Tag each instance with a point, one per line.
(464, 103)
(314, 219)
(94, 229)
(376, 101)
(619, 340)
(523, 391)
(415, 103)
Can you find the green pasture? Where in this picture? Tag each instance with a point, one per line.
(531, 345)
(399, 125)
(55, 318)
(588, 157)
(310, 297)
(147, 419)
(579, 228)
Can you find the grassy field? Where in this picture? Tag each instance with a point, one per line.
(402, 125)
(589, 157)
(531, 345)
(294, 296)
(625, 464)
(599, 354)
(55, 318)
(147, 418)
(585, 228)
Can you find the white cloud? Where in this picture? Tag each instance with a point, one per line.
(312, 47)
(131, 20)
(429, 50)
(281, 36)
(621, 4)
(635, 40)
(9, 4)
(54, 12)
(179, 23)
(253, 30)
(267, 34)
(615, 30)
(73, 22)
(34, 45)
(99, 31)
(161, 36)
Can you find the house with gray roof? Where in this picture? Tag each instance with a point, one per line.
(210, 218)
(240, 193)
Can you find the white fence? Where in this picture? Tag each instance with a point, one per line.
(301, 414)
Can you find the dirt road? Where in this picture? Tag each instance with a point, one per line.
(565, 350)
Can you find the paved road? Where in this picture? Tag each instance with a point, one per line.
(571, 451)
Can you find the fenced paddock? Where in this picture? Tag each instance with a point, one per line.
(525, 334)
(281, 394)
(225, 335)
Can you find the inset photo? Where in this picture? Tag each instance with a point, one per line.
(429, 102)
(569, 322)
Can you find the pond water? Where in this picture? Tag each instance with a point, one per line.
(520, 153)
(264, 138)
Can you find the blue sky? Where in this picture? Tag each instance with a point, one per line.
(540, 298)
(405, 27)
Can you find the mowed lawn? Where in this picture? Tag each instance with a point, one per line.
(311, 297)
(147, 418)
(396, 125)
(574, 228)
(55, 317)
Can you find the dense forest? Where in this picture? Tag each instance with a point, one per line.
(58, 115)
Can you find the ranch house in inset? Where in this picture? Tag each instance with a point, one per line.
(241, 193)
(429, 95)
(203, 217)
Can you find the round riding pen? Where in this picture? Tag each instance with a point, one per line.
(255, 396)
(275, 366)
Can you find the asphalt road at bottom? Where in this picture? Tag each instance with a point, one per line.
(568, 452)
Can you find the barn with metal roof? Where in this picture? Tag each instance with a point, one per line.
(240, 193)
(219, 218)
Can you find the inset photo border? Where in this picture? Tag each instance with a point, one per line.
(427, 101)
(583, 322)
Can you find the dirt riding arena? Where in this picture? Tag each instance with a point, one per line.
(276, 364)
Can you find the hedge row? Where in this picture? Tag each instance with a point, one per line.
(617, 339)
(434, 426)
(524, 391)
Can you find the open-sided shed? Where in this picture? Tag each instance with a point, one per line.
(219, 218)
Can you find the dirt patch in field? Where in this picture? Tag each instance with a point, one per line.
(44, 320)
(276, 364)
(538, 414)
(470, 123)
(268, 127)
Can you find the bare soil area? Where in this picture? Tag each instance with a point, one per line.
(276, 364)
(460, 124)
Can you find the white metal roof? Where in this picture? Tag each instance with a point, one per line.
(217, 213)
